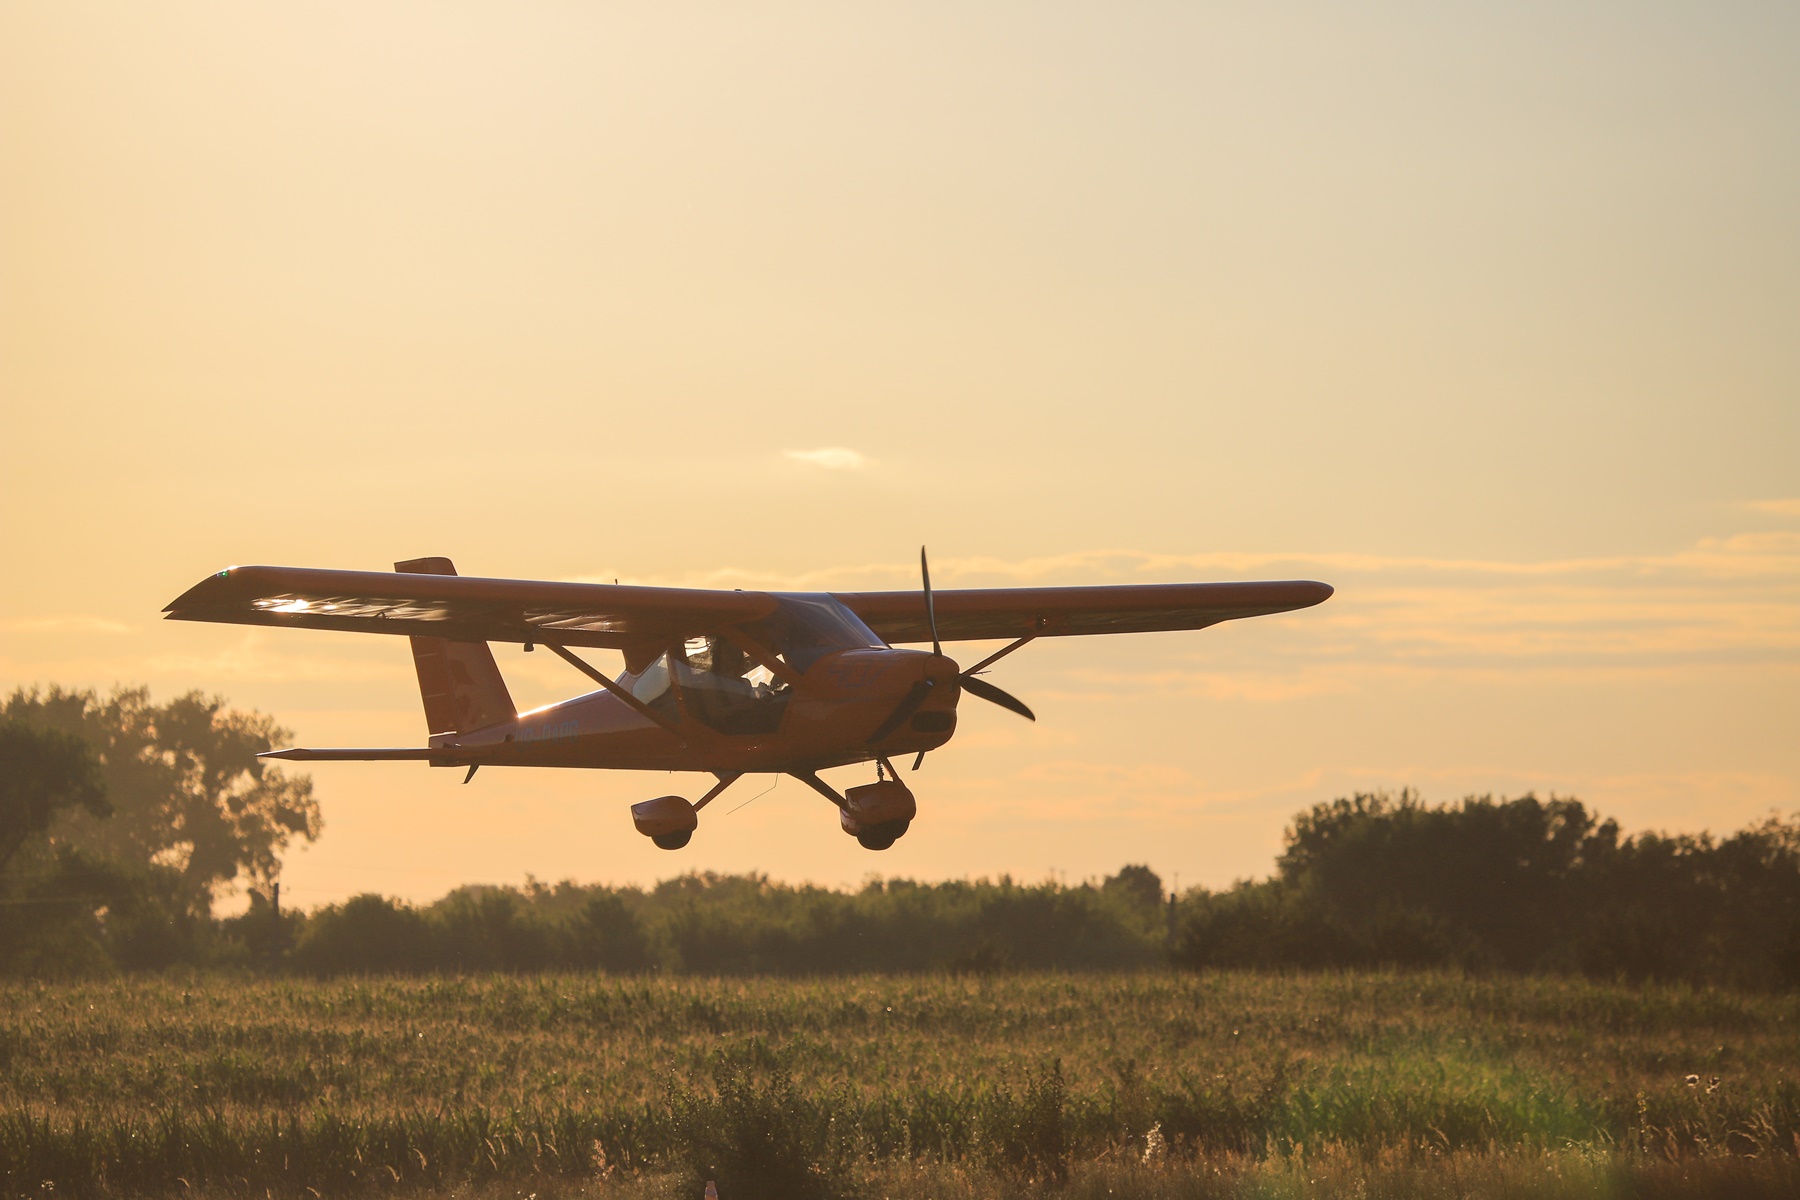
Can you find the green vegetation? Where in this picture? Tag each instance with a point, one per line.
(43, 773)
(119, 821)
(742, 925)
(111, 859)
(1504, 997)
(1521, 885)
(921, 1081)
(186, 791)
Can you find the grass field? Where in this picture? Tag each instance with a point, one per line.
(1149, 1085)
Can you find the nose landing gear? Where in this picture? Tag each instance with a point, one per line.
(876, 814)
(882, 836)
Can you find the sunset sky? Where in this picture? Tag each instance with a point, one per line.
(1488, 315)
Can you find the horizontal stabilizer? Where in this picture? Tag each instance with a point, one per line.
(369, 754)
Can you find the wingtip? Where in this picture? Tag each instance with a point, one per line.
(195, 596)
(1305, 593)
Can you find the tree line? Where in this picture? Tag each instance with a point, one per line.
(1519, 885)
(121, 821)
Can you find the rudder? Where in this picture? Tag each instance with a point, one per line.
(459, 681)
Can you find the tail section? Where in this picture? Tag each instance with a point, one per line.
(459, 681)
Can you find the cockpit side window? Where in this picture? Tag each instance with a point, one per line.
(806, 626)
(725, 688)
(651, 686)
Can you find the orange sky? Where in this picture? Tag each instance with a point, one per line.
(1486, 317)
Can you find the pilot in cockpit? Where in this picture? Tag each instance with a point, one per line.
(729, 664)
(720, 694)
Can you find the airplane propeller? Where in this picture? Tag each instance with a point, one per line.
(930, 605)
(993, 695)
(967, 680)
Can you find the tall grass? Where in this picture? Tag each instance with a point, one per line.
(159, 1085)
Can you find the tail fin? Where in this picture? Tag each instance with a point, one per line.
(459, 682)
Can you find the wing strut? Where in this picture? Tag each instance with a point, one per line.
(997, 655)
(624, 694)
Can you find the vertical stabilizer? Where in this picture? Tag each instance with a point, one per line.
(459, 681)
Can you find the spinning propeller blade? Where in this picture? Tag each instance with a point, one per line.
(909, 703)
(977, 686)
(970, 684)
(930, 606)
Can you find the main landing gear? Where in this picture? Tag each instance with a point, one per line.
(876, 814)
(670, 821)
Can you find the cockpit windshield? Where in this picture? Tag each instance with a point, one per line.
(806, 626)
(721, 680)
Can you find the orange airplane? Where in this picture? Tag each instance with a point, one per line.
(727, 683)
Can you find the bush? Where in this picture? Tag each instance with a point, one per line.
(756, 1136)
(1520, 884)
(1027, 1135)
(364, 935)
(72, 914)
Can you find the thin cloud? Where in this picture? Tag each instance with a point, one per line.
(63, 624)
(832, 458)
(1779, 508)
(251, 657)
(1759, 561)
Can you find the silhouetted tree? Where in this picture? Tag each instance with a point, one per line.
(186, 786)
(1486, 877)
(1524, 884)
(610, 936)
(1136, 885)
(42, 773)
(366, 934)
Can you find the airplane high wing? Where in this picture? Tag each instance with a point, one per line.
(723, 682)
(985, 613)
(462, 609)
(615, 616)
